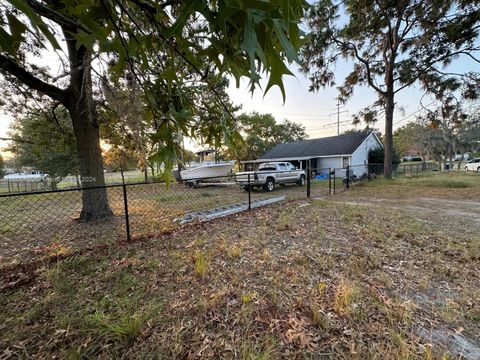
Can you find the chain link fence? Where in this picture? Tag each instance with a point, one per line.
(43, 222)
(350, 175)
(24, 183)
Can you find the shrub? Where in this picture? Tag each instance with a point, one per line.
(377, 156)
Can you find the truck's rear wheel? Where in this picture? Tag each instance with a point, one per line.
(269, 185)
(301, 181)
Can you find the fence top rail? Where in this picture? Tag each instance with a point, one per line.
(78, 189)
(107, 186)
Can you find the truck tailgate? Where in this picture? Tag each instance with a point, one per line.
(243, 176)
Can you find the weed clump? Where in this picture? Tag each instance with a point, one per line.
(345, 296)
(201, 264)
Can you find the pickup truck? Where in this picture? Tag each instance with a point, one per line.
(270, 174)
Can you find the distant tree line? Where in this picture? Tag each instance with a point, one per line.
(260, 133)
(447, 131)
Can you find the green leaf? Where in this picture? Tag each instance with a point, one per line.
(286, 44)
(6, 43)
(27, 10)
(35, 20)
(250, 41)
(17, 28)
(88, 40)
(277, 70)
(190, 7)
(50, 37)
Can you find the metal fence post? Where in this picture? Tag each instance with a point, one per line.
(125, 204)
(334, 181)
(308, 178)
(329, 180)
(249, 194)
(347, 182)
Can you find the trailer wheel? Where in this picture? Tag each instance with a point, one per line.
(192, 184)
(269, 185)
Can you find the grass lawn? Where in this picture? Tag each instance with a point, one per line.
(33, 225)
(386, 270)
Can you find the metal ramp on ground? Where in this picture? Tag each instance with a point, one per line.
(218, 212)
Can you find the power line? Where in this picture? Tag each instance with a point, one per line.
(279, 112)
(338, 116)
(300, 114)
(413, 113)
(329, 125)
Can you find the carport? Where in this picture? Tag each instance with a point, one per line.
(299, 162)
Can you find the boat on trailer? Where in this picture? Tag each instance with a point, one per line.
(206, 170)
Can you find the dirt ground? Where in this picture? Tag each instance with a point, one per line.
(386, 270)
(461, 211)
(451, 209)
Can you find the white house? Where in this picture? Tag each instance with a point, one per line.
(334, 152)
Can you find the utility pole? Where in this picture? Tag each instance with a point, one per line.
(338, 116)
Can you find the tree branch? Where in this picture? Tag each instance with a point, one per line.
(431, 66)
(404, 85)
(152, 9)
(55, 16)
(149, 12)
(10, 67)
(17, 140)
(365, 63)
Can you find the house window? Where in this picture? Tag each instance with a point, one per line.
(345, 161)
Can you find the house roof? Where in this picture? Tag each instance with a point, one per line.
(344, 144)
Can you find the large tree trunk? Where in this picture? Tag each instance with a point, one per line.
(81, 107)
(389, 108)
(78, 99)
(85, 127)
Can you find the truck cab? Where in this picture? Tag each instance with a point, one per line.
(269, 174)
